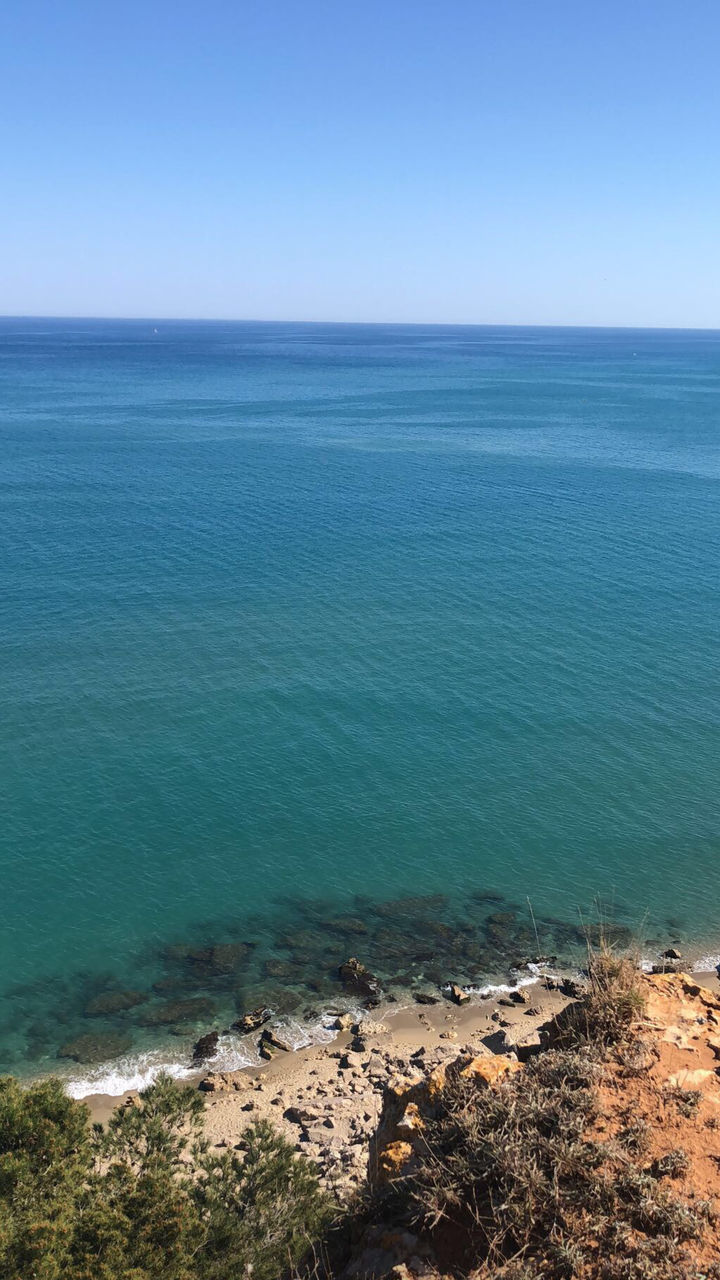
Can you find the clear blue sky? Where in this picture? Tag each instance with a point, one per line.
(509, 161)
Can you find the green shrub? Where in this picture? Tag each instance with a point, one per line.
(145, 1200)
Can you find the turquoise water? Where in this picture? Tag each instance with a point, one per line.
(298, 619)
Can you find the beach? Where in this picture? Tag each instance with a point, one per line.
(326, 1098)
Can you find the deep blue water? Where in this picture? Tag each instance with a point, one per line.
(294, 613)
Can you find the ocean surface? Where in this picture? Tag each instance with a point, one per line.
(329, 640)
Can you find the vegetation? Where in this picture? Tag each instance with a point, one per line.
(521, 1181)
(145, 1200)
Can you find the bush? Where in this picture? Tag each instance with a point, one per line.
(145, 1200)
(516, 1179)
(613, 1004)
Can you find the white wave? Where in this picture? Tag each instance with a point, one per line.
(501, 988)
(706, 964)
(234, 1052)
(135, 1071)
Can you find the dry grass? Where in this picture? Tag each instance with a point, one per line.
(522, 1181)
(514, 1179)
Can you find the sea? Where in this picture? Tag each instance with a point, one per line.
(330, 640)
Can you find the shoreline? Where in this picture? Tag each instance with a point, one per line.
(308, 1027)
(440, 1029)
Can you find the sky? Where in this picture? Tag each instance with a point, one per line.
(447, 161)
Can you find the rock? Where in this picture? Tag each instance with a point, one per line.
(572, 989)
(226, 957)
(672, 954)
(226, 1082)
(195, 1009)
(111, 1002)
(275, 1041)
(266, 1051)
(347, 924)
(667, 966)
(423, 997)
(278, 969)
(213, 961)
(457, 995)
(519, 996)
(301, 1115)
(95, 1047)
(343, 1022)
(366, 1027)
(206, 1047)
(252, 1021)
(357, 980)
(521, 1040)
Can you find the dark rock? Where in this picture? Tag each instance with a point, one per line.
(519, 996)
(411, 906)
(672, 954)
(206, 1047)
(423, 997)
(358, 981)
(301, 940)
(226, 957)
(612, 935)
(667, 966)
(95, 1047)
(252, 1021)
(111, 1002)
(572, 989)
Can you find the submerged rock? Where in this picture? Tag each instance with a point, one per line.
(347, 924)
(110, 1002)
(164, 1015)
(219, 960)
(278, 969)
(95, 1047)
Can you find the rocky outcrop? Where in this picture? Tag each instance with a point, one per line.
(226, 1082)
(409, 1106)
(358, 981)
(252, 1021)
(205, 1048)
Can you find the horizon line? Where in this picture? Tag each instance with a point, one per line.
(399, 324)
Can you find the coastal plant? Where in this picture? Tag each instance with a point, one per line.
(516, 1180)
(610, 1009)
(145, 1199)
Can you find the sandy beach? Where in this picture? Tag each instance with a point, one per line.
(326, 1098)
